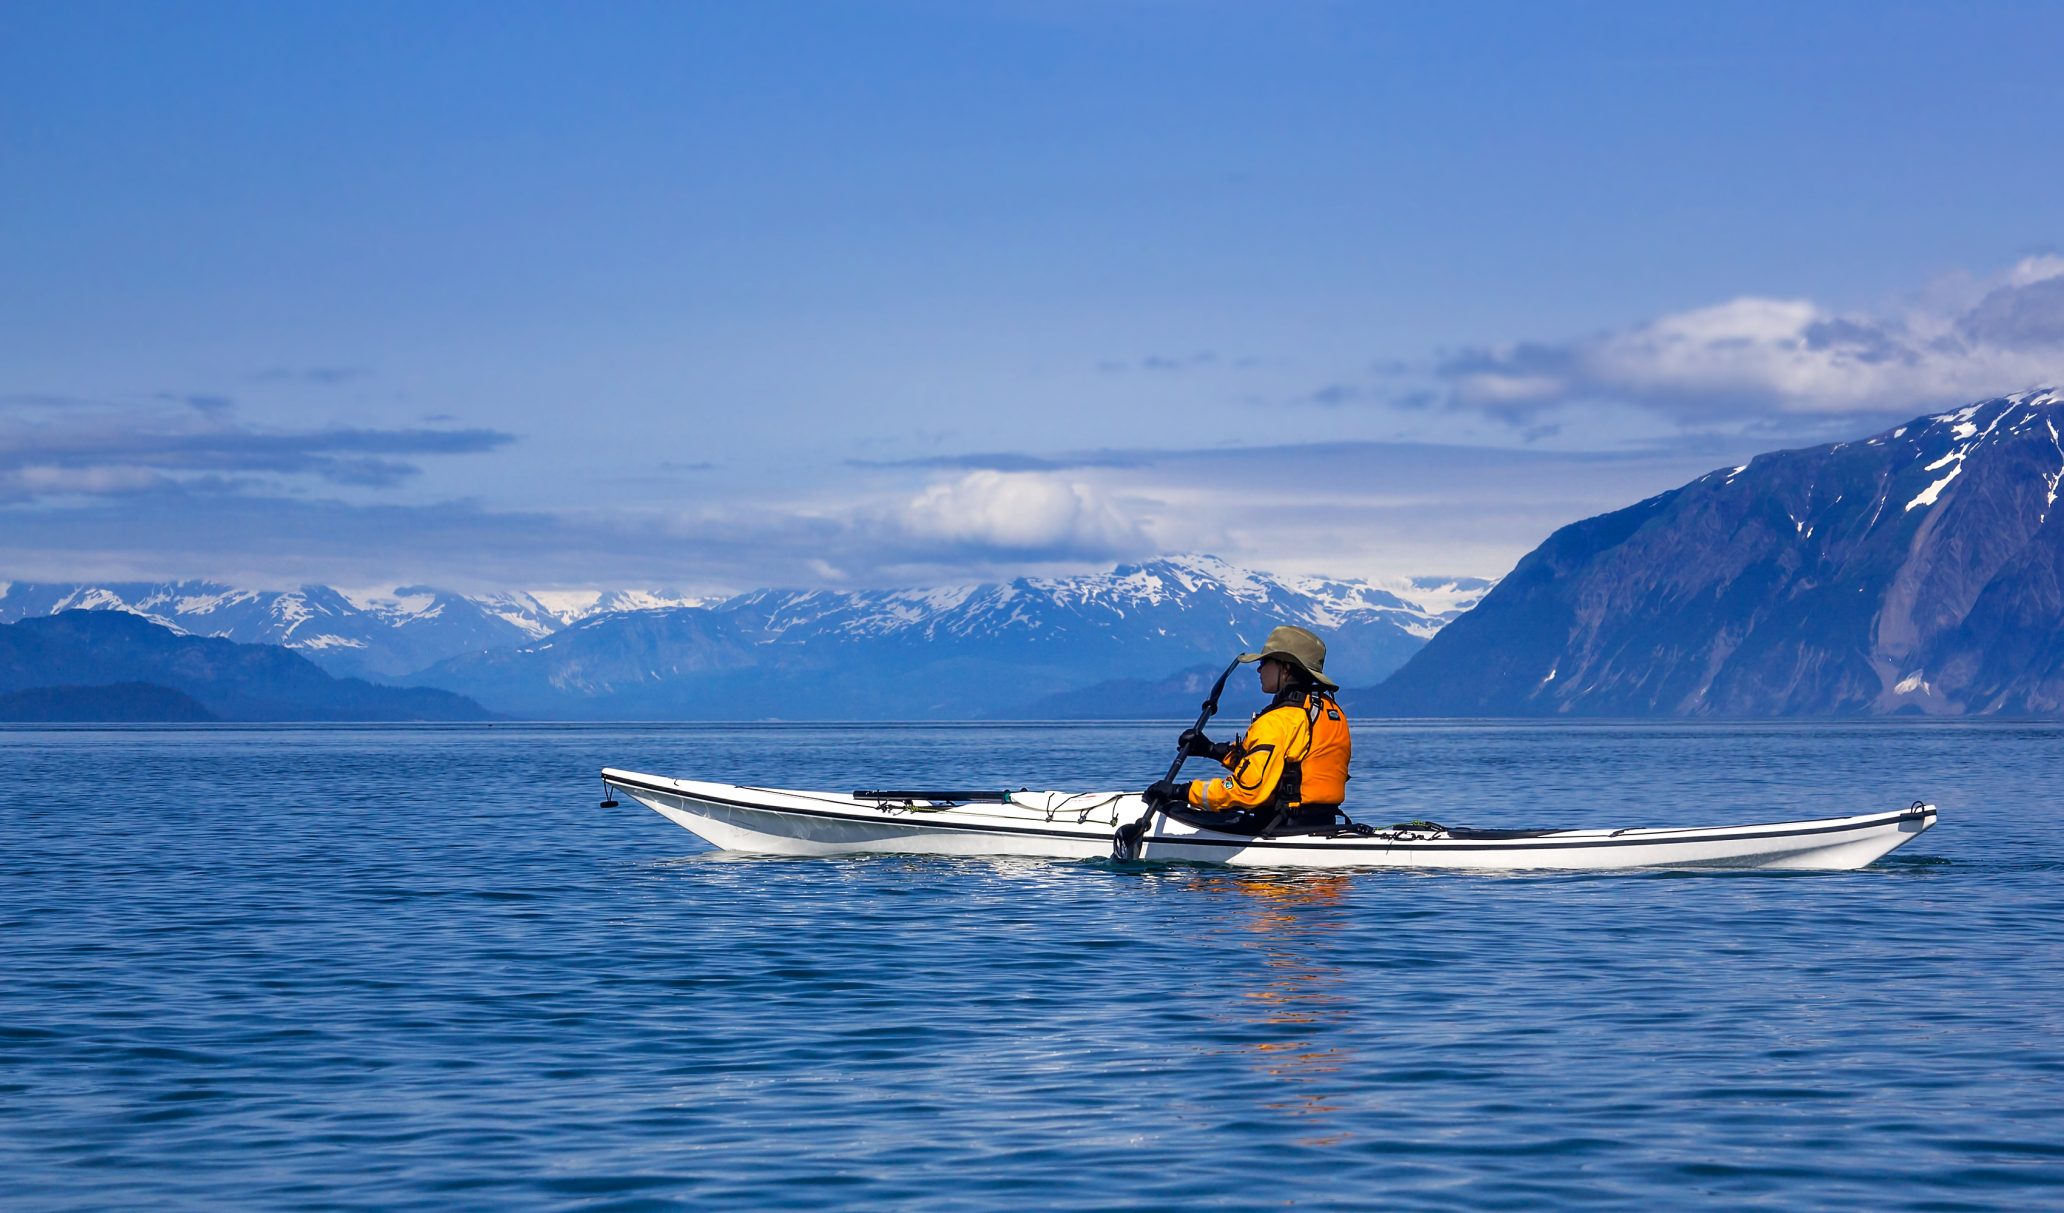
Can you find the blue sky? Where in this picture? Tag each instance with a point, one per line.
(710, 297)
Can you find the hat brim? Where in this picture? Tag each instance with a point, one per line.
(1291, 658)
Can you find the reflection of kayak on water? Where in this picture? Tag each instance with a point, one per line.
(1083, 825)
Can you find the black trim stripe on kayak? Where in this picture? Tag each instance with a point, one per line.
(936, 825)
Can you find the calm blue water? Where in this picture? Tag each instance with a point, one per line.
(419, 968)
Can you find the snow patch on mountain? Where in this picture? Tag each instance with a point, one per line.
(388, 601)
(319, 643)
(2017, 412)
(533, 608)
(565, 604)
(95, 600)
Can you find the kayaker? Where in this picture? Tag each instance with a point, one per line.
(1290, 768)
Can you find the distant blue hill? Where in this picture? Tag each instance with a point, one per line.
(113, 703)
(380, 637)
(86, 649)
(1176, 697)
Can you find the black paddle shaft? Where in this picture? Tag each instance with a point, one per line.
(1125, 844)
(1182, 749)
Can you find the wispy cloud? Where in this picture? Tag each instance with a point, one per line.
(255, 537)
(320, 375)
(1007, 461)
(1164, 363)
(1159, 362)
(1335, 395)
(200, 402)
(97, 450)
(168, 489)
(962, 532)
(44, 400)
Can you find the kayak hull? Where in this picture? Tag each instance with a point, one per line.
(1061, 825)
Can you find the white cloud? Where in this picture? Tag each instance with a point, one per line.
(1789, 357)
(2031, 270)
(1020, 511)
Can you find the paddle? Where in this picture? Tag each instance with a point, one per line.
(1126, 843)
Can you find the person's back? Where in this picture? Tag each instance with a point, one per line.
(1290, 768)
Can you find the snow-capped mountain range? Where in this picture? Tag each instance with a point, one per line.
(944, 653)
(1147, 619)
(1417, 606)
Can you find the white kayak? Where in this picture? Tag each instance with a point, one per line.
(1082, 825)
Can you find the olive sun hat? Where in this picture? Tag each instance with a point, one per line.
(1298, 647)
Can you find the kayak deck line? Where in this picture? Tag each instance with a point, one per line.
(1081, 825)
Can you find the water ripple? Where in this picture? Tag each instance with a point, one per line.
(416, 969)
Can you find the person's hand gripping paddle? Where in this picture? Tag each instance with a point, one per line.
(1126, 843)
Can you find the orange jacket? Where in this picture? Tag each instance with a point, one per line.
(1303, 737)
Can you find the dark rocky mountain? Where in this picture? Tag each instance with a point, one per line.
(233, 681)
(115, 703)
(967, 652)
(1917, 571)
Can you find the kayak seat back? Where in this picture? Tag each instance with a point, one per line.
(1307, 819)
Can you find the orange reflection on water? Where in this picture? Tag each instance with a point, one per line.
(1299, 997)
